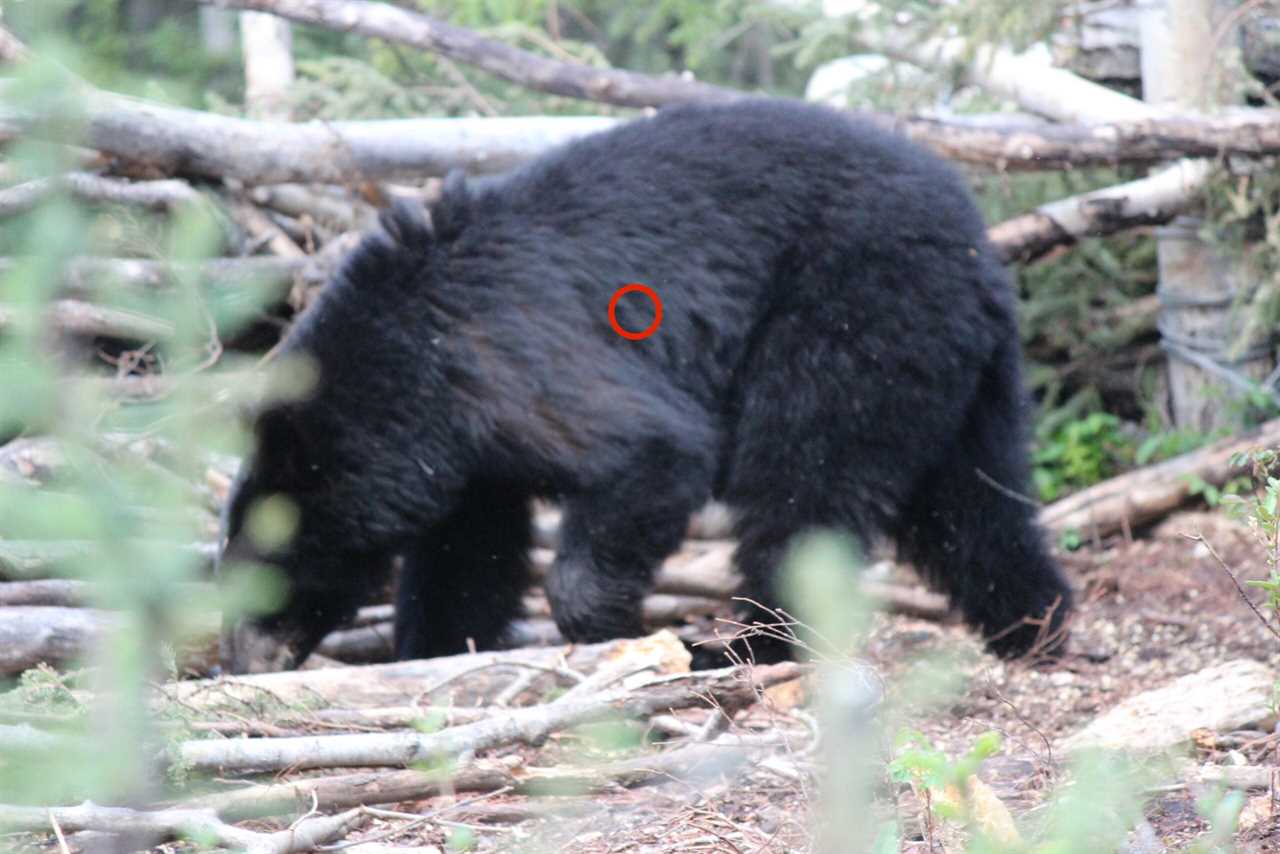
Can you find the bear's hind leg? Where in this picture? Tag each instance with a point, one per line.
(463, 580)
(971, 532)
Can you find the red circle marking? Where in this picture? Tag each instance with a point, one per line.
(613, 311)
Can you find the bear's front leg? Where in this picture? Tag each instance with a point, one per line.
(463, 580)
(613, 538)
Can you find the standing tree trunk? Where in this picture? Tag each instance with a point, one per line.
(1202, 312)
(268, 64)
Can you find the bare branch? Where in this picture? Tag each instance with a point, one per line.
(574, 80)
(527, 724)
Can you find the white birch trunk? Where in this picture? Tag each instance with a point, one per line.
(268, 64)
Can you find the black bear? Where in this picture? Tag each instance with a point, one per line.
(837, 348)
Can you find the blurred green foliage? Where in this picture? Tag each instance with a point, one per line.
(135, 519)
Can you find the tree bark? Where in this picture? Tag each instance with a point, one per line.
(267, 45)
(1199, 285)
(1149, 201)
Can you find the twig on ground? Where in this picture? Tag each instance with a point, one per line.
(1199, 538)
(181, 824)
(528, 725)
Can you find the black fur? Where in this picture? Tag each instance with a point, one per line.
(838, 349)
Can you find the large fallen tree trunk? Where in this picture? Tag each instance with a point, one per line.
(198, 144)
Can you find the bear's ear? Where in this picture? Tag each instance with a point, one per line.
(451, 214)
(407, 224)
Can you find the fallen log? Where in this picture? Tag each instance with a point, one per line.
(530, 725)
(75, 317)
(345, 213)
(33, 559)
(193, 143)
(57, 592)
(386, 787)
(1154, 200)
(61, 636)
(1044, 147)
(162, 825)
(198, 144)
(1147, 494)
(163, 196)
(706, 571)
(31, 635)
(467, 679)
(74, 593)
(93, 277)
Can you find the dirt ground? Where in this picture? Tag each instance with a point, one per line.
(1151, 609)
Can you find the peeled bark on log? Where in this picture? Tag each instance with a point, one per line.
(360, 644)
(347, 790)
(1148, 201)
(1028, 79)
(1044, 146)
(1150, 493)
(660, 609)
